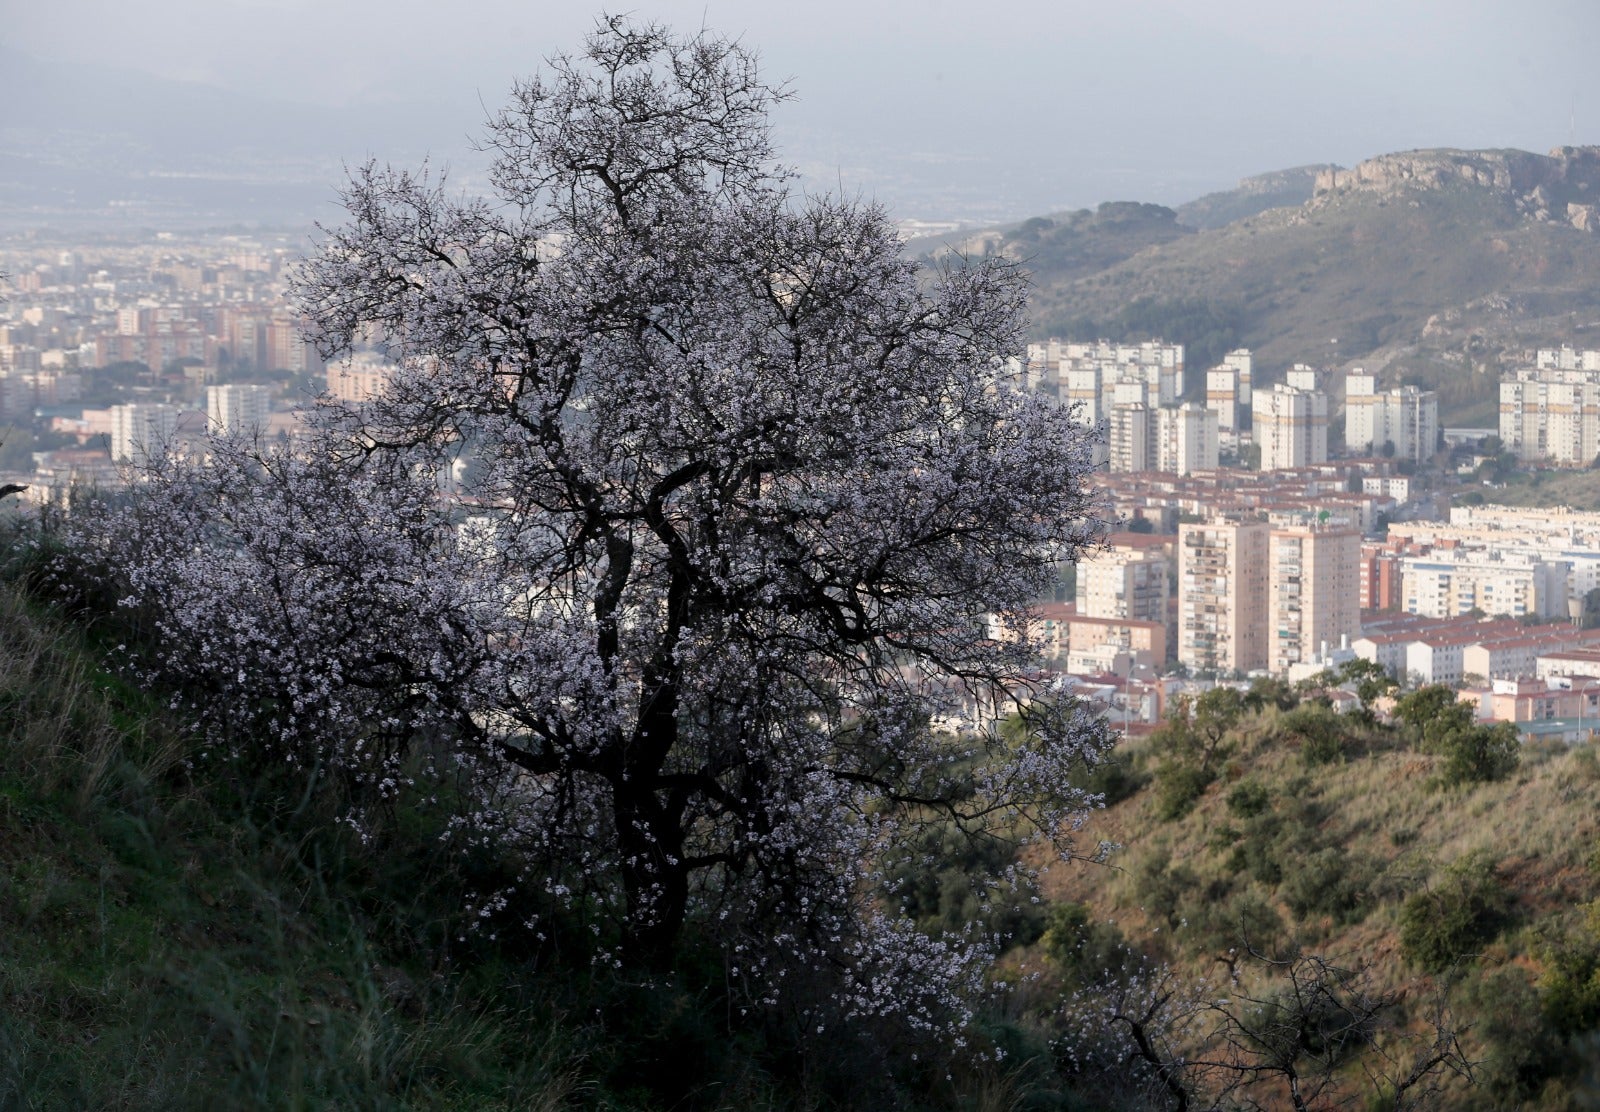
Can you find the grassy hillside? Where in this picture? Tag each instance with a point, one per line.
(180, 930)
(1364, 270)
(183, 931)
(170, 938)
(1329, 836)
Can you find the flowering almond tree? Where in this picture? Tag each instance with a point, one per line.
(741, 485)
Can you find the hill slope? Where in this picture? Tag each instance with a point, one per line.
(1279, 189)
(1436, 250)
(1323, 835)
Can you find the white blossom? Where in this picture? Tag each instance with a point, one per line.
(743, 483)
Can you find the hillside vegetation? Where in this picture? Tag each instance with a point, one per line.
(184, 930)
(1466, 896)
(189, 931)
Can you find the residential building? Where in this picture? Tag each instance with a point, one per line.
(238, 410)
(1312, 593)
(1125, 584)
(1550, 414)
(1186, 439)
(1089, 375)
(1446, 583)
(140, 431)
(1130, 437)
(358, 380)
(1291, 427)
(1222, 579)
(1402, 422)
(1228, 387)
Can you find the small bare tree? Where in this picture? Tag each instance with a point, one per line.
(1313, 1035)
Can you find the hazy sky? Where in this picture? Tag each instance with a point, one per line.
(1059, 104)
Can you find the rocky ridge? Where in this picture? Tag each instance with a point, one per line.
(1562, 187)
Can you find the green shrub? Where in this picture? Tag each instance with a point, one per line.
(1569, 987)
(1321, 731)
(945, 880)
(1327, 882)
(1258, 852)
(1274, 837)
(1480, 754)
(1114, 777)
(1220, 920)
(1249, 798)
(1522, 1053)
(1162, 888)
(1450, 922)
(1178, 786)
(1082, 949)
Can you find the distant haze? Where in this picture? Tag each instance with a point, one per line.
(978, 111)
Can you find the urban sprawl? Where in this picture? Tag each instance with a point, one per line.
(1248, 544)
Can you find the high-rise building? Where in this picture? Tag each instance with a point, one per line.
(1228, 387)
(1452, 582)
(1125, 584)
(1186, 439)
(1379, 586)
(1551, 413)
(1291, 427)
(141, 430)
(1312, 593)
(1095, 377)
(285, 347)
(358, 379)
(1303, 376)
(1222, 588)
(238, 410)
(1404, 420)
(1130, 437)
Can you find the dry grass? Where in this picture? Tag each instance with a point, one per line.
(160, 951)
(1540, 825)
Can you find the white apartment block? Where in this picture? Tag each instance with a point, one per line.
(1566, 358)
(1303, 376)
(238, 410)
(140, 431)
(1129, 437)
(1094, 377)
(1222, 398)
(359, 379)
(1313, 593)
(1452, 582)
(1405, 417)
(1222, 580)
(1175, 439)
(1123, 584)
(1551, 415)
(1555, 535)
(1228, 387)
(1186, 439)
(1291, 426)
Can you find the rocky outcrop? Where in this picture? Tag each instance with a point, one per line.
(1561, 187)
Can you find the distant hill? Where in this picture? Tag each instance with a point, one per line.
(1070, 245)
(1279, 189)
(1437, 257)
